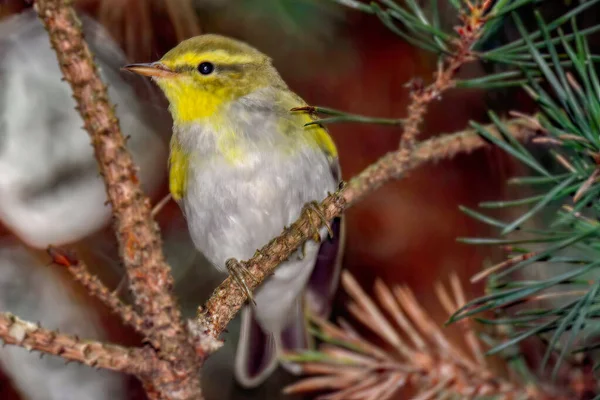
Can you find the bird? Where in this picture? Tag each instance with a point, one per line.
(246, 160)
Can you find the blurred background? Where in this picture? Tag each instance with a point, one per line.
(50, 192)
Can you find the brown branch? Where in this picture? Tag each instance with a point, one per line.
(421, 97)
(141, 362)
(89, 352)
(140, 245)
(481, 275)
(96, 288)
(227, 299)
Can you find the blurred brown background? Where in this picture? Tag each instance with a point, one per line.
(335, 57)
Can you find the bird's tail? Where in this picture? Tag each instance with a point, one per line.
(259, 351)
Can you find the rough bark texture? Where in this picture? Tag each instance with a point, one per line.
(149, 276)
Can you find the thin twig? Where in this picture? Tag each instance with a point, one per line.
(586, 185)
(32, 336)
(564, 162)
(161, 204)
(548, 140)
(502, 265)
(96, 288)
(421, 97)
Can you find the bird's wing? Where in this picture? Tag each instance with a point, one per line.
(256, 357)
(288, 101)
(178, 169)
(324, 279)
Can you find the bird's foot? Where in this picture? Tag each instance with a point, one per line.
(240, 273)
(314, 207)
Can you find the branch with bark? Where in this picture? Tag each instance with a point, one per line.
(140, 246)
(96, 288)
(170, 365)
(92, 353)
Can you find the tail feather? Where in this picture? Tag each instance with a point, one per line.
(295, 335)
(323, 282)
(259, 351)
(256, 356)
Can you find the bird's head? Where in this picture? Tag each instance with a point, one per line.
(206, 72)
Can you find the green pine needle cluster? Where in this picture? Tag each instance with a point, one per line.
(554, 65)
(560, 76)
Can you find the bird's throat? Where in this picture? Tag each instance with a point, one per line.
(189, 103)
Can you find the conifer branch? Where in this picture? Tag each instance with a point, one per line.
(420, 97)
(172, 366)
(410, 350)
(140, 246)
(228, 298)
(33, 337)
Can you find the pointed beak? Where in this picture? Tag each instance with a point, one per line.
(154, 69)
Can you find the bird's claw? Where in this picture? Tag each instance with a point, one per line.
(239, 273)
(314, 207)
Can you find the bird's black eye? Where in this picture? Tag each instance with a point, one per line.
(206, 68)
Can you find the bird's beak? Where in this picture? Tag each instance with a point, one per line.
(154, 69)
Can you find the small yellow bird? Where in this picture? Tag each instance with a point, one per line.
(242, 167)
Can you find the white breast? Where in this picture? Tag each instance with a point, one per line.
(234, 209)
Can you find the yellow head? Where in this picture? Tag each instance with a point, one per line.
(206, 72)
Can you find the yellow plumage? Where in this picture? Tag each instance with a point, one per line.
(178, 166)
(179, 159)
